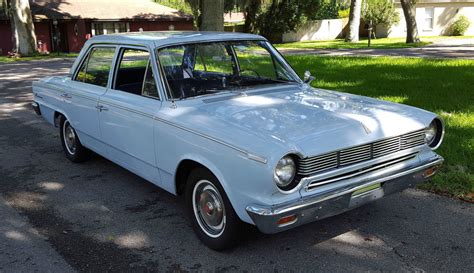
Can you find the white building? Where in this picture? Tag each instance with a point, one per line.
(433, 18)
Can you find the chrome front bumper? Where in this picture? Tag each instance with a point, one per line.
(326, 204)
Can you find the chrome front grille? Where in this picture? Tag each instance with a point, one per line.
(361, 153)
(347, 175)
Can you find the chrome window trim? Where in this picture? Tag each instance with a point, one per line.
(270, 48)
(86, 58)
(121, 49)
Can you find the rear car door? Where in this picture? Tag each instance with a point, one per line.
(127, 110)
(88, 83)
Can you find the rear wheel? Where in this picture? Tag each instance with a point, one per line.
(72, 147)
(213, 218)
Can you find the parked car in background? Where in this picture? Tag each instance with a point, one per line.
(223, 119)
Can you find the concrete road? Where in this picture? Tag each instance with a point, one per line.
(57, 216)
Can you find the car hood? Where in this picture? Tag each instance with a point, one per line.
(303, 119)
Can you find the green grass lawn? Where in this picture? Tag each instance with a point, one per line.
(382, 43)
(5, 59)
(442, 86)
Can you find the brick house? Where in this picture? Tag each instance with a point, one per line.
(65, 25)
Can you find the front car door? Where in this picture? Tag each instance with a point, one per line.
(127, 111)
(87, 84)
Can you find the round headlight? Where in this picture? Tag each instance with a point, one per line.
(434, 133)
(430, 133)
(285, 171)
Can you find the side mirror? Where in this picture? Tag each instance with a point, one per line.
(307, 77)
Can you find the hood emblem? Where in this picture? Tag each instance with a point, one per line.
(367, 130)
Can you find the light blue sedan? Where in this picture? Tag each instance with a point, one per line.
(223, 119)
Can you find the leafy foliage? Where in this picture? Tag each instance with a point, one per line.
(280, 17)
(180, 5)
(343, 13)
(380, 12)
(327, 9)
(459, 27)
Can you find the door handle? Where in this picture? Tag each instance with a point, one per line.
(101, 108)
(66, 96)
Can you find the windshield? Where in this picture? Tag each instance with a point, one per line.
(207, 68)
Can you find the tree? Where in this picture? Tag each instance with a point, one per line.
(280, 17)
(409, 11)
(354, 21)
(251, 9)
(212, 15)
(23, 30)
(380, 12)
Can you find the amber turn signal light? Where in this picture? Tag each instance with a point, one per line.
(429, 172)
(287, 220)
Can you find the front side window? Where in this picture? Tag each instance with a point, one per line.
(134, 73)
(208, 68)
(96, 68)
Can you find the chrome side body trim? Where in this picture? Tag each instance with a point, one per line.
(249, 155)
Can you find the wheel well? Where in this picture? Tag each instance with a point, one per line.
(182, 172)
(56, 118)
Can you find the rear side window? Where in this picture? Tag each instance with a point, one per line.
(95, 69)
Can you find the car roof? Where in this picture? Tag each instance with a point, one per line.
(164, 38)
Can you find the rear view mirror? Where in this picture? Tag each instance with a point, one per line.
(307, 77)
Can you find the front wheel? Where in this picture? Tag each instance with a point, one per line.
(213, 218)
(72, 147)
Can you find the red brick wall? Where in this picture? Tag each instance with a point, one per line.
(42, 34)
(5, 37)
(160, 25)
(84, 29)
(76, 41)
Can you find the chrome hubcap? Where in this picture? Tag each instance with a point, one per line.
(209, 208)
(69, 137)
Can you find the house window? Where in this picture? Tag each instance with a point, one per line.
(429, 19)
(99, 28)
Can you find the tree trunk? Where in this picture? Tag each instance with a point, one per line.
(354, 21)
(409, 11)
(14, 37)
(251, 11)
(24, 29)
(212, 15)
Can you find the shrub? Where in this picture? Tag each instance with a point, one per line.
(327, 10)
(278, 18)
(344, 13)
(459, 27)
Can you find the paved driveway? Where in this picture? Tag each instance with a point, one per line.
(443, 48)
(58, 216)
